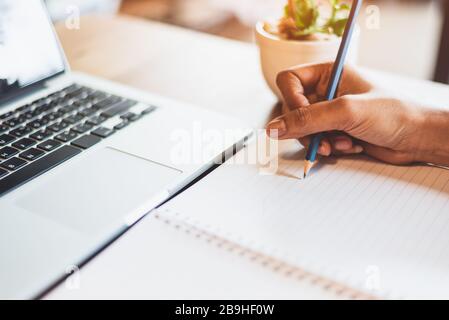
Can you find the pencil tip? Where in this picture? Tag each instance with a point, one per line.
(307, 166)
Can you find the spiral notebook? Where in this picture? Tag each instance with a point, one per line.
(377, 229)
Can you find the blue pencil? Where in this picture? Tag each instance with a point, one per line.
(334, 80)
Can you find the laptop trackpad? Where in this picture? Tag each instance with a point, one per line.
(98, 191)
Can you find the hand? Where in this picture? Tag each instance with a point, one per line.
(362, 119)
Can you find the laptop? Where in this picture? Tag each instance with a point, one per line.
(83, 159)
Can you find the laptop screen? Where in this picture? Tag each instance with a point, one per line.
(29, 51)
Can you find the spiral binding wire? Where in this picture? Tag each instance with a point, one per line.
(285, 269)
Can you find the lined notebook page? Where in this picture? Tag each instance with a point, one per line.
(381, 229)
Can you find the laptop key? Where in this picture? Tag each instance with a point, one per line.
(71, 88)
(49, 145)
(51, 116)
(23, 108)
(95, 121)
(29, 114)
(108, 102)
(41, 135)
(121, 125)
(82, 128)
(35, 124)
(118, 108)
(66, 136)
(24, 143)
(86, 141)
(31, 154)
(148, 110)
(73, 119)
(76, 93)
(103, 132)
(37, 168)
(43, 121)
(62, 110)
(3, 173)
(130, 116)
(8, 152)
(127, 115)
(20, 132)
(36, 112)
(6, 139)
(97, 96)
(56, 127)
(14, 122)
(6, 115)
(66, 107)
(88, 112)
(3, 128)
(13, 164)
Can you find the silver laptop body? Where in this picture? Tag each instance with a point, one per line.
(88, 158)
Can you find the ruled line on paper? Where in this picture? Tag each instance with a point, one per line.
(353, 213)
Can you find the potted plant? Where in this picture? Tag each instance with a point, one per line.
(309, 32)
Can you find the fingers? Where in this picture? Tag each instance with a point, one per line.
(320, 117)
(341, 142)
(296, 83)
(292, 90)
(309, 75)
(337, 143)
(301, 84)
(325, 148)
(357, 149)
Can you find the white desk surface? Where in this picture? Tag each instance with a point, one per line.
(155, 260)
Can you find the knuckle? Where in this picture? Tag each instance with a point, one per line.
(326, 71)
(347, 106)
(302, 116)
(326, 66)
(345, 103)
(282, 78)
(347, 111)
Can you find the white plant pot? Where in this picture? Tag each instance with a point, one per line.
(278, 54)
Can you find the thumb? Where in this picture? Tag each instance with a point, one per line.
(319, 117)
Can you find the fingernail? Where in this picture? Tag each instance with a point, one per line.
(343, 145)
(277, 128)
(358, 149)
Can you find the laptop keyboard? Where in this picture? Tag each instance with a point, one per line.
(38, 136)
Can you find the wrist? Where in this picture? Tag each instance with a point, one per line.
(433, 137)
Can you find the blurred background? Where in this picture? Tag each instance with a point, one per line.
(412, 37)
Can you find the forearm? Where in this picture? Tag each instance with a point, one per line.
(434, 133)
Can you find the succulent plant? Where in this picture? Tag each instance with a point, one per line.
(301, 19)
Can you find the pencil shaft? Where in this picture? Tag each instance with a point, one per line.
(337, 72)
